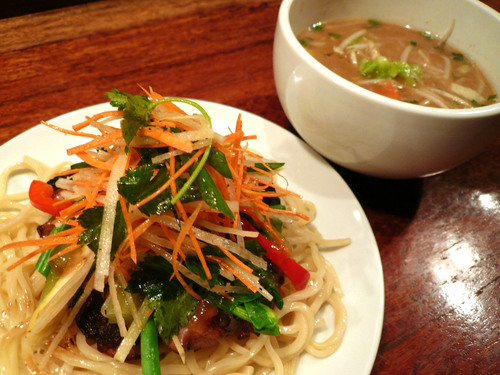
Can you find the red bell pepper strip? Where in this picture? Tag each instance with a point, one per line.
(297, 274)
(41, 197)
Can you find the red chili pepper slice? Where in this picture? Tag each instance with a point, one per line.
(297, 274)
(41, 197)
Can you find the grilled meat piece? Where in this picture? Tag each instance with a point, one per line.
(208, 325)
(97, 327)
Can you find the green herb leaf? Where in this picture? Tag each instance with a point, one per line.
(475, 103)
(91, 220)
(318, 26)
(258, 167)
(426, 34)
(42, 265)
(218, 161)
(136, 112)
(171, 315)
(153, 280)
(141, 182)
(457, 56)
(194, 265)
(208, 189)
(173, 305)
(382, 67)
(335, 35)
(262, 317)
(117, 98)
(492, 97)
(211, 194)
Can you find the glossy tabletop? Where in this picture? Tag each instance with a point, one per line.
(439, 237)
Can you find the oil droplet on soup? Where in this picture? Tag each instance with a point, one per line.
(398, 62)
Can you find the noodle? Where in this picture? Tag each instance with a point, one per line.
(58, 346)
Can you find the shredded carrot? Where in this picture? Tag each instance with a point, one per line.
(176, 273)
(187, 229)
(168, 233)
(265, 207)
(67, 172)
(94, 162)
(69, 132)
(250, 212)
(97, 142)
(219, 181)
(65, 251)
(172, 178)
(51, 240)
(168, 105)
(137, 232)
(74, 229)
(44, 244)
(235, 259)
(29, 256)
(238, 275)
(96, 117)
(123, 271)
(73, 209)
(167, 138)
(95, 192)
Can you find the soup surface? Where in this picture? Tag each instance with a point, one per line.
(399, 62)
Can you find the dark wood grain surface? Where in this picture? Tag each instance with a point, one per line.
(439, 237)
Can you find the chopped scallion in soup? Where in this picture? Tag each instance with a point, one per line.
(399, 62)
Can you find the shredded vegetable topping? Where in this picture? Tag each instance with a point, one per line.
(162, 216)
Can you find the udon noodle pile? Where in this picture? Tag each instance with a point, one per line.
(168, 249)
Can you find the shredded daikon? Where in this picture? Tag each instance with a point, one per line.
(108, 221)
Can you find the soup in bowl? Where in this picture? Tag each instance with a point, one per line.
(360, 129)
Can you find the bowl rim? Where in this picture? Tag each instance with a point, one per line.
(420, 110)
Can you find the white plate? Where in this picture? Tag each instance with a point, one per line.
(338, 215)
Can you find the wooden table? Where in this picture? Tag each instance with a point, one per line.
(439, 237)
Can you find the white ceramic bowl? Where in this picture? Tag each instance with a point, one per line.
(367, 132)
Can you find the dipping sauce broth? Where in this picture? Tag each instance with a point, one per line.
(399, 62)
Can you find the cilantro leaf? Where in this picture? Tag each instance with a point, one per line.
(153, 280)
(171, 315)
(173, 305)
(194, 265)
(136, 112)
(117, 98)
